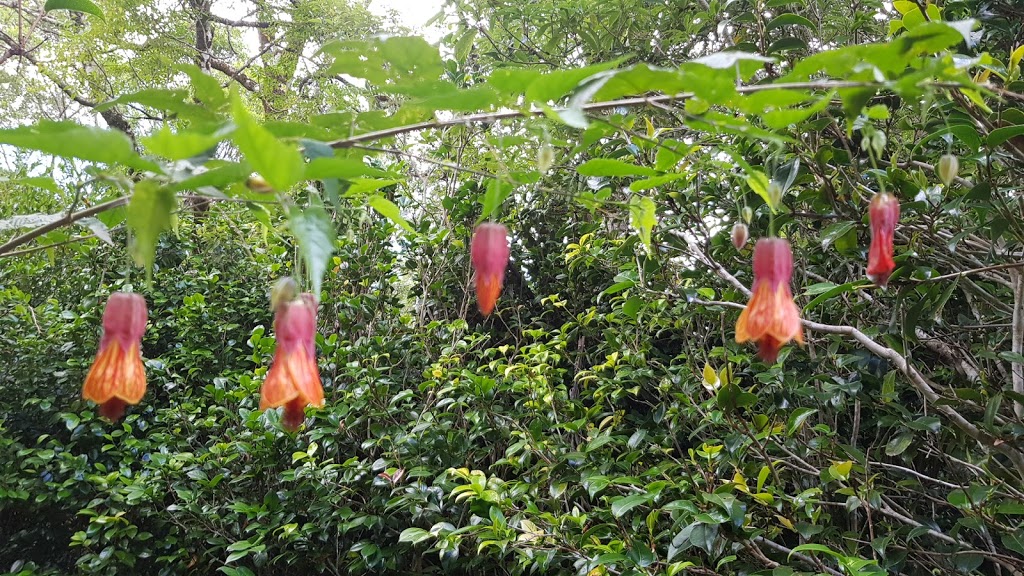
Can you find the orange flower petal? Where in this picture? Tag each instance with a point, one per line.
(116, 373)
(488, 288)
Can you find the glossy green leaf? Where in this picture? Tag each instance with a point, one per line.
(612, 167)
(789, 19)
(643, 217)
(84, 6)
(623, 505)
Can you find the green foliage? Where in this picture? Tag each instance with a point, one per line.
(603, 420)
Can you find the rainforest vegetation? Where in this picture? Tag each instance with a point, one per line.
(616, 287)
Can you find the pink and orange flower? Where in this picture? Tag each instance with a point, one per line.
(117, 377)
(489, 253)
(883, 214)
(294, 378)
(771, 318)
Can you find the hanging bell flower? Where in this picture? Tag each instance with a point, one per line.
(117, 376)
(771, 318)
(489, 253)
(883, 214)
(294, 378)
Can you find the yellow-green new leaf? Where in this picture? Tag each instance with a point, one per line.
(389, 210)
(278, 162)
(150, 212)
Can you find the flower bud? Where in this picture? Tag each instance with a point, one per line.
(545, 158)
(284, 290)
(740, 233)
(257, 184)
(748, 214)
(947, 168)
(774, 195)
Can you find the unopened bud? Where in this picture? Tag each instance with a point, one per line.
(774, 194)
(545, 158)
(257, 184)
(740, 233)
(747, 213)
(284, 290)
(947, 168)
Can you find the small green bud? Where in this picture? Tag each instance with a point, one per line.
(947, 168)
(284, 290)
(545, 158)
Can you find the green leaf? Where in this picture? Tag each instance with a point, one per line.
(759, 183)
(279, 163)
(643, 217)
(84, 6)
(790, 19)
(814, 548)
(623, 505)
(149, 214)
(414, 535)
(835, 291)
(797, 419)
(731, 58)
(71, 140)
(161, 99)
(498, 190)
(362, 186)
(556, 84)
(219, 174)
(206, 88)
(899, 443)
(394, 60)
(179, 145)
(786, 44)
(612, 167)
(783, 118)
(389, 210)
(656, 182)
(833, 232)
(314, 230)
(1000, 135)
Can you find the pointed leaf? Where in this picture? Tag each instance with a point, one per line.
(149, 214)
(314, 230)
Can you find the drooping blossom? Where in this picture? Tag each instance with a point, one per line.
(294, 378)
(489, 252)
(883, 214)
(117, 377)
(771, 318)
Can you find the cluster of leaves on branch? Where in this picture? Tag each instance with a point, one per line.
(600, 417)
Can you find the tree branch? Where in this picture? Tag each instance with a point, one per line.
(598, 106)
(236, 75)
(69, 219)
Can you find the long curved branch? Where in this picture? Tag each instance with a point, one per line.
(71, 218)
